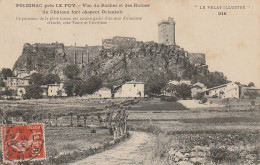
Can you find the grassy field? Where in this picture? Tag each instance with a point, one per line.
(232, 129)
(156, 105)
(64, 139)
(219, 135)
(61, 140)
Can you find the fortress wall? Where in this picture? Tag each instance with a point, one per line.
(71, 50)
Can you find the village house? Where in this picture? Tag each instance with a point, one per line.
(130, 89)
(244, 90)
(56, 90)
(187, 82)
(174, 82)
(23, 73)
(197, 88)
(229, 90)
(183, 81)
(13, 82)
(21, 90)
(44, 90)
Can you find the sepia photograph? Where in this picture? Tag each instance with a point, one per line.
(129, 82)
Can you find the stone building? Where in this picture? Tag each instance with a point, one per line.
(197, 88)
(118, 41)
(166, 32)
(230, 90)
(130, 89)
(244, 90)
(56, 90)
(14, 82)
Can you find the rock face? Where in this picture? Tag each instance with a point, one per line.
(46, 58)
(140, 61)
(188, 157)
(117, 64)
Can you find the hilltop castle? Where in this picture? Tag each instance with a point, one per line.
(44, 56)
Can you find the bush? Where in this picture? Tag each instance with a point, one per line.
(252, 94)
(111, 131)
(169, 98)
(215, 96)
(222, 154)
(199, 96)
(93, 131)
(79, 125)
(204, 100)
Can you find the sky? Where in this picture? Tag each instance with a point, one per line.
(231, 42)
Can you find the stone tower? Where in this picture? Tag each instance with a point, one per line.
(166, 32)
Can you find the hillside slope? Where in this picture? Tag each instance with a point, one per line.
(136, 62)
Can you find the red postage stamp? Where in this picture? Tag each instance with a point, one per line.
(23, 142)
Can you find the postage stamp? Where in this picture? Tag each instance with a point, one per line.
(23, 142)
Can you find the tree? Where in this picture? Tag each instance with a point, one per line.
(199, 96)
(252, 94)
(37, 79)
(77, 85)
(71, 71)
(155, 84)
(183, 90)
(35, 118)
(251, 84)
(85, 116)
(83, 88)
(57, 116)
(71, 118)
(27, 117)
(93, 84)
(8, 92)
(69, 87)
(2, 84)
(78, 119)
(33, 91)
(6, 72)
(51, 79)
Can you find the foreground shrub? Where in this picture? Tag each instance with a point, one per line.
(219, 155)
(169, 98)
(199, 96)
(93, 131)
(204, 100)
(146, 128)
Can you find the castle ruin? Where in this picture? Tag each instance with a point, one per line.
(166, 32)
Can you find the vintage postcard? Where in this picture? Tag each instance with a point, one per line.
(129, 82)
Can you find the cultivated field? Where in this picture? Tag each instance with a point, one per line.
(227, 134)
(61, 138)
(214, 135)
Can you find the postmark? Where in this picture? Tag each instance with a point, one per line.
(23, 142)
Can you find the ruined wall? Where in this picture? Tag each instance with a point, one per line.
(45, 58)
(197, 58)
(81, 54)
(118, 41)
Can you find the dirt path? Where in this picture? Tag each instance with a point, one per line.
(136, 150)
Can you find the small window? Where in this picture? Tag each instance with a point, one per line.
(134, 85)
